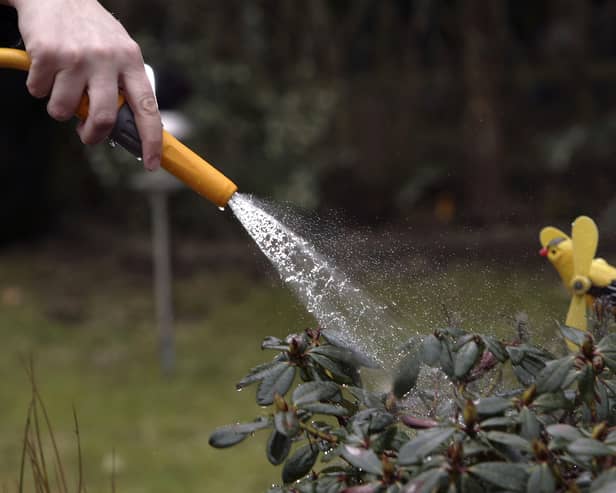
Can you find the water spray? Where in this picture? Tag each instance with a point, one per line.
(176, 158)
(326, 292)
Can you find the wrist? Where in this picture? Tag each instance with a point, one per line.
(16, 4)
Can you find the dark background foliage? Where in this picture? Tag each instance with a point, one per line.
(434, 110)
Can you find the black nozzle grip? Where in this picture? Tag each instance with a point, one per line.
(125, 131)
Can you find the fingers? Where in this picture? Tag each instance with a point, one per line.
(40, 77)
(103, 109)
(67, 91)
(142, 101)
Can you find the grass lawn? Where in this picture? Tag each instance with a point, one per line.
(88, 324)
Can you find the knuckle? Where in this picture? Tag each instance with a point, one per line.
(147, 105)
(72, 57)
(87, 138)
(103, 120)
(41, 51)
(36, 89)
(132, 51)
(59, 112)
(101, 52)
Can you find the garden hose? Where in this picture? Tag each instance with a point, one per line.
(176, 158)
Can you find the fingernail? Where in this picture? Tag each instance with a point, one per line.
(152, 163)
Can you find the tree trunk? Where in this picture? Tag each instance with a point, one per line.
(483, 28)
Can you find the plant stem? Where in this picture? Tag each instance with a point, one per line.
(318, 433)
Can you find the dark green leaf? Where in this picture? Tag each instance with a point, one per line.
(489, 406)
(278, 447)
(257, 374)
(463, 341)
(527, 361)
(572, 334)
(466, 357)
(271, 342)
(609, 487)
(610, 387)
(357, 357)
(496, 348)
(345, 355)
(470, 484)
(229, 435)
(588, 447)
(497, 422)
(300, 463)
(586, 384)
(446, 360)
(335, 367)
(564, 432)
(424, 444)
(554, 375)
(610, 362)
(286, 422)
(388, 440)
(316, 391)
(373, 487)
(427, 482)
(602, 406)
(324, 408)
(607, 344)
(366, 397)
(371, 421)
(363, 458)
(523, 376)
(277, 381)
(550, 402)
(406, 374)
(530, 428)
(509, 439)
(431, 350)
(605, 482)
(475, 447)
(511, 477)
(541, 480)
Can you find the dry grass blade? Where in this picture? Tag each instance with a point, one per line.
(39, 449)
(35, 449)
(22, 466)
(37, 478)
(80, 487)
(62, 484)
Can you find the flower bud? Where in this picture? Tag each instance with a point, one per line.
(470, 414)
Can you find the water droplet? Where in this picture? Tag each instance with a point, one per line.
(140, 159)
(221, 208)
(112, 143)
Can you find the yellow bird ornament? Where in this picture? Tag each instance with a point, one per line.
(584, 276)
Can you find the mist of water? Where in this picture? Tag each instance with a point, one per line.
(329, 295)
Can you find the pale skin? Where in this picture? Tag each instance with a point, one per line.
(77, 47)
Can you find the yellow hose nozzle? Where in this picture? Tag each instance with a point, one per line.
(197, 173)
(176, 158)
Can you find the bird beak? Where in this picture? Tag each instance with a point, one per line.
(543, 252)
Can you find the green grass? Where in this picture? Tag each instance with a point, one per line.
(88, 324)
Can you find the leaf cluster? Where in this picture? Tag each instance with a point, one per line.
(552, 430)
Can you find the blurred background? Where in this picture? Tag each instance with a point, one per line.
(430, 139)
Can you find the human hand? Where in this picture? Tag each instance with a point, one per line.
(77, 47)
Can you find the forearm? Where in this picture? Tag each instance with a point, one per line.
(15, 3)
